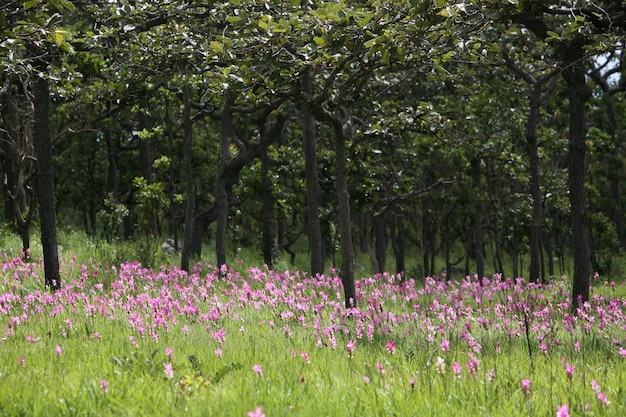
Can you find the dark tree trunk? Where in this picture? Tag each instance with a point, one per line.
(578, 93)
(221, 195)
(112, 155)
(478, 222)
(343, 130)
(397, 243)
(190, 193)
(381, 242)
(267, 212)
(9, 155)
(312, 185)
(535, 186)
(45, 181)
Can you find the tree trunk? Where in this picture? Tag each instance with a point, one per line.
(478, 222)
(190, 193)
(267, 212)
(9, 155)
(578, 93)
(45, 181)
(535, 186)
(397, 243)
(381, 241)
(221, 195)
(343, 130)
(312, 185)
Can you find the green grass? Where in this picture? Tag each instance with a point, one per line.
(101, 344)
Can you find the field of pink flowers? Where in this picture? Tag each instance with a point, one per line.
(126, 340)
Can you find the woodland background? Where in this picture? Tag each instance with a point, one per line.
(471, 137)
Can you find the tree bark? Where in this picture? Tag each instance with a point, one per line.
(267, 213)
(312, 184)
(535, 186)
(578, 93)
(343, 130)
(45, 181)
(190, 193)
(221, 195)
(397, 243)
(478, 222)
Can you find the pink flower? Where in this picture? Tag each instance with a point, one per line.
(562, 411)
(20, 360)
(603, 399)
(577, 346)
(169, 370)
(391, 346)
(526, 386)
(445, 345)
(219, 352)
(366, 379)
(569, 371)
(258, 369)
(103, 385)
(305, 356)
(622, 351)
(381, 369)
(456, 368)
(257, 413)
(168, 353)
(594, 386)
(351, 347)
(58, 350)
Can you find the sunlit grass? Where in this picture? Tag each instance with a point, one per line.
(126, 340)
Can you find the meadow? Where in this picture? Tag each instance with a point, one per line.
(125, 340)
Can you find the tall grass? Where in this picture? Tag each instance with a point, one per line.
(122, 339)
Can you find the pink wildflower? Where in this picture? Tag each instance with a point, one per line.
(603, 399)
(562, 411)
(391, 346)
(168, 353)
(169, 370)
(445, 345)
(104, 385)
(594, 386)
(58, 350)
(577, 346)
(526, 386)
(381, 368)
(20, 360)
(622, 351)
(456, 368)
(258, 369)
(305, 356)
(569, 371)
(257, 413)
(366, 379)
(219, 352)
(351, 347)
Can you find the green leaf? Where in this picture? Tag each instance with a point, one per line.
(216, 46)
(29, 4)
(320, 41)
